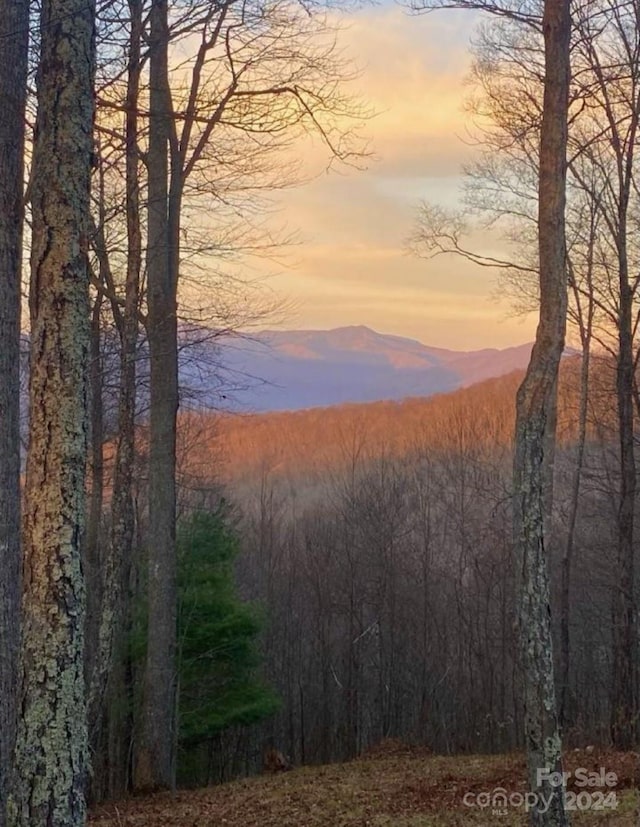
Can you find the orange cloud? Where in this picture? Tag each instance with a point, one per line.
(351, 267)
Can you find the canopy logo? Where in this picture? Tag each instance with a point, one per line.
(592, 790)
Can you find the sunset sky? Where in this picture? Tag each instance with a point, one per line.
(350, 267)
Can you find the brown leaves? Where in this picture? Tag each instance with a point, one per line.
(394, 786)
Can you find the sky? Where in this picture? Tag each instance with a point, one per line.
(350, 266)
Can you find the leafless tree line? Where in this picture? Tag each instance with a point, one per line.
(390, 595)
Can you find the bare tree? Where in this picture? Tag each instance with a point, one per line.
(613, 42)
(535, 428)
(155, 759)
(117, 557)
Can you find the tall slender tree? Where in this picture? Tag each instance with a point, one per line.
(155, 764)
(116, 559)
(535, 429)
(610, 46)
(536, 404)
(51, 756)
(14, 34)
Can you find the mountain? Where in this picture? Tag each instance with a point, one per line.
(298, 445)
(296, 369)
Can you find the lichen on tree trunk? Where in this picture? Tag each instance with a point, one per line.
(51, 757)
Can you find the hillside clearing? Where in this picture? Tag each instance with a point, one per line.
(394, 788)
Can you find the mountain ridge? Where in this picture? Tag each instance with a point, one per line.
(301, 369)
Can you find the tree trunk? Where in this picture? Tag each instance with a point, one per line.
(623, 724)
(586, 328)
(536, 403)
(155, 760)
(51, 755)
(14, 32)
(92, 550)
(117, 557)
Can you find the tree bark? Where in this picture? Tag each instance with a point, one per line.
(14, 34)
(155, 760)
(51, 757)
(536, 403)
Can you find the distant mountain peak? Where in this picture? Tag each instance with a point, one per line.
(294, 369)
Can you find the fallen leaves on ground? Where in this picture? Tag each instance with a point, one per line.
(391, 786)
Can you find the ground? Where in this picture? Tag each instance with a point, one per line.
(389, 787)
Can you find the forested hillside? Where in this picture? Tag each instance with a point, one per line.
(377, 540)
(236, 447)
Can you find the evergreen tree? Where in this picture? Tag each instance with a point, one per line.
(218, 660)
